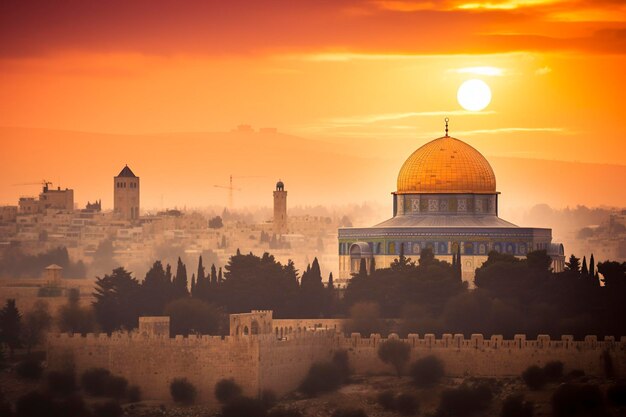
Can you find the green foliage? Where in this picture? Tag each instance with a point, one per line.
(36, 322)
(577, 400)
(427, 371)
(216, 223)
(226, 390)
(312, 294)
(259, 283)
(407, 404)
(116, 304)
(76, 319)
(156, 291)
(10, 325)
(322, 377)
(515, 406)
(534, 377)
(15, 263)
(365, 319)
(29, 369)
(189, 316)
(61, 383)
(183, 391)
(396, 353)
(429, 284)
(244, 406)
(553, 371)
(464, 400)
(35, 404)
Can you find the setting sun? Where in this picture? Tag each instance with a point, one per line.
(474, 95)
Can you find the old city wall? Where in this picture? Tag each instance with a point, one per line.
(255, 362)
(493, 357)
(283, 364)
(259, 362)
(152, 362)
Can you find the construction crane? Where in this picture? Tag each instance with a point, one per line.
(44, 183)
(231, 188)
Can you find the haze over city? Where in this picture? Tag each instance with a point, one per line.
(350, 208)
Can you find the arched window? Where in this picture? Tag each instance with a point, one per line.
(469, 249)
(246, 331)
(392, 248)
(254, 327)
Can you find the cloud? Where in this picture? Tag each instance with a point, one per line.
(543, 70)
(489, 71)
(239, 27)
(510, 130)
(376, 118)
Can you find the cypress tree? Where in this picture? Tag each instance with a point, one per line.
(220, 279)
(331, 283)
(180, 280)
(459, 265)
(363, 268)
(372, 265)
(10, 325)
(584, 271)
(193, 285)
(213, 275)
(200, 275)
(592, 267)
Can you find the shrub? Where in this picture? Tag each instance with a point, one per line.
(534, 377)
(268, 398)
(386, 399)
(73, 406)
(396, 353)
(340, 359)
(61, 383)
(616, 394)
(35, 404)
(515, 406)
(183, 391)
(134, 394)
(29, 369)
(464, 400)
(116, 387)
(322, 377)
(427, 371)
(407, 404)
(553, 371)
(94, 381)
(349, 412)
(226, 390)
(570, 399)
(108, 409)
(244, 406)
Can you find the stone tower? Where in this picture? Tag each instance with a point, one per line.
(280, 209)
(126, 194)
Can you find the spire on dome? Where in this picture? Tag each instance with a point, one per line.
(447, 120)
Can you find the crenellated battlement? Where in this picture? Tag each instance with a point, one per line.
(263, 354)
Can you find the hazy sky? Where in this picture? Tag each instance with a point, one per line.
(371, 78)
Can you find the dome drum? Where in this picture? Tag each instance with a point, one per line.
(445, 204)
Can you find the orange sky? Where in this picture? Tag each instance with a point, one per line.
(371, 79)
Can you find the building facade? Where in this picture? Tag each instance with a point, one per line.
(126, 194)
(446, 200)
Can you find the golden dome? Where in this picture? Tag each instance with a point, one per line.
(446, 165)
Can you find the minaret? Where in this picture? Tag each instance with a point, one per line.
(280, 209)
(126, 194)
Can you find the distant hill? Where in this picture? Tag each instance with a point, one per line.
(181, 169)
